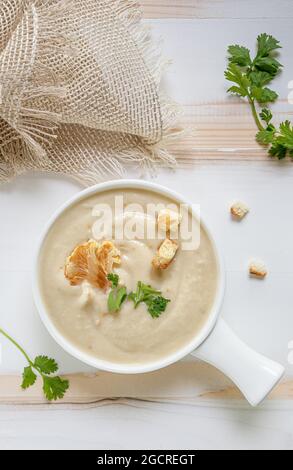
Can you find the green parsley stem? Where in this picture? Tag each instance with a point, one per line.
(17, 346)
(255, 115)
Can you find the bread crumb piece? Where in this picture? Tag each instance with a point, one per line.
(239, 210)
(168, 221)
(165, 254)
(257, 269)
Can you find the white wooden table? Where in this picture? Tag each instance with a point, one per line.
(189, 405)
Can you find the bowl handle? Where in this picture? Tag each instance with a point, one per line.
(255, 375)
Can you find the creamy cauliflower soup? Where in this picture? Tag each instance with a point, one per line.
(128, 301)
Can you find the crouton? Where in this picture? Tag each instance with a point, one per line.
(257, 269)
(165, 254)
(239, 210)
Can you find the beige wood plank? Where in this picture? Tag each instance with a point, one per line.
(217, 8)
(221, 131)
(189, 382)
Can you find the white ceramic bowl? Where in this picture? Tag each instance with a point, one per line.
(254, 374)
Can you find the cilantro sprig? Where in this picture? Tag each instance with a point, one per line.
(117, 294)
(54, 387)
(250, 77)
(156, 304)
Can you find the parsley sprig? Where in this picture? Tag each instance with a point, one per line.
(145, 293)
(54, 387)
(156, 304)
(251, 77)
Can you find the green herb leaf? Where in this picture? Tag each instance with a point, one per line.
(45, 364)
(116, 296)
(116, 299)
(263, 95)
(266, 115)
(54, 387)
(28, 377)
(283, 142)
(237, 91)
(142, 293)
(112, 302)
(138, 295)
(151, 297)
(268, 64)
(265, 137)
(114, 278)
(278, 150)
(286, 135)
(259, 78)
(265, 61)
(121, 296)
(235, 74)
(157, 305)
(266, 44)
(239, 55)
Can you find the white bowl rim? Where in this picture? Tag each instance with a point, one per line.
(124, 368)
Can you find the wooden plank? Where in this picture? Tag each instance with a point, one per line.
(225, 129)
(184, 382)
(217, 8)
(220, 131)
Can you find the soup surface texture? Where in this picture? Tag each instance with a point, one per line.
(130, 336)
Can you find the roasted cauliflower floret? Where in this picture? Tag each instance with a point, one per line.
(92, 262)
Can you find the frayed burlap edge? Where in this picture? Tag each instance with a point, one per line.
(145, 156)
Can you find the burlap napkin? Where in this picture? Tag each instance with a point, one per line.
(80, 90)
